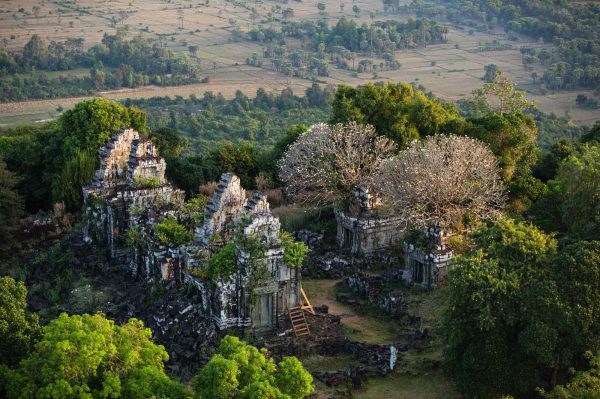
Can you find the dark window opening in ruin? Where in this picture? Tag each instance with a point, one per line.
(348, 238)
(418, 272)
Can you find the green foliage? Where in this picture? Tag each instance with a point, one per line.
(281, 145)
(18, 328)
(395, 110)
(91, 357)
(585, 385)
(239, 370)
(240, 159)
(11, 206)
(576, 271)
(570, 204)
(294, 252)
(518, 310)
(131, 64)
(503, 91)
(194, 208)
(168, 141)
(593, 136)
(511, 137)
(172, 234)
(151, 382)
(515, 244)
(90, 123)
(223, 263)
(579, 182)
(417, 238)
(292, 379)
(78, 172)
(133, 236)
(146, 182)
(25, 150)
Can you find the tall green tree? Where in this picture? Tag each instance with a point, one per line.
(168, 141)
(81, 132)
(91, 357)
(585, 385)
(395, 110)
(494, 345)
(511, 137)
(78, 172)
(579, 182)
(520, 313)
(90, 123)
(239, 370)
(19, 329)
(570, 204)
(11, 206)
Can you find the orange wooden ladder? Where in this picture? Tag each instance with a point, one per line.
(297, 315)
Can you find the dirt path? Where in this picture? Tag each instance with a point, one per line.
(358, 327)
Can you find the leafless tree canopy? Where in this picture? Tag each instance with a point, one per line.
(329, 162)
(441, 179)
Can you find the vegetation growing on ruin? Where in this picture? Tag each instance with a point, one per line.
(294, 252)
(223, 263)
(194, 208)
(134, 237)
(172, 234)
(146, 182)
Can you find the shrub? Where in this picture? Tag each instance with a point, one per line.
(294, 252)
(223, 263)
(171, 233)
(146, 182)
(194, 208)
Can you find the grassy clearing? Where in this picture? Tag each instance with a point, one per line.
(326, 363)
(431, 385)
(358, 327)
(418, 373)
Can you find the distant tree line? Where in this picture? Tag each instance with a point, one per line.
(344, 42)
(113, 63)
(573, 26)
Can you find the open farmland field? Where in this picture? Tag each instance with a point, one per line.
(450, 70)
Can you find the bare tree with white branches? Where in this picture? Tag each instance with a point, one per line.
(328, 163)
(441, 180)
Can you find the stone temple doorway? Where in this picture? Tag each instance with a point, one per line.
(262, 311)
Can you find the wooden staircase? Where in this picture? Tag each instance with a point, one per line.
(297, 315)
(298, 321)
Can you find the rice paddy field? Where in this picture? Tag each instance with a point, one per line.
(450, 70)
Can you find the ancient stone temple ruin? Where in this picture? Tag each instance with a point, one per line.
(144, 224)
(428, 264)
(263, 288)
(365, 228)
(131, 175)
